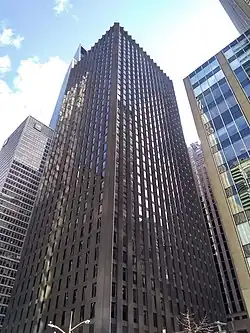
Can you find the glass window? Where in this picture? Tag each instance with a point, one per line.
(235, 204)
(232, 129)
(236, 112)
(247, 89)
(239, 147)
(208, 97)
(229, 53)
(222, 134)
(225, 143)
(214, 112)
(231, 101)
(222, 106)
(204, 86)
(200, 74)
(246, 139)
(193, 79)
(197, 91)
(226, 116)
(225, 88)
(219, 75)
(241, 75)
(227, 179)
(241, 123)
(235, 137)
(244, 232)
(211, 80)
(229, 153)
(235, 64)
(218, 123)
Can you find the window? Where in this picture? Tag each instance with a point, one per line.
(74, 295)
(124, 274)
(155, 319)
(125, 312)
(241, 123)
(124, 293)
(226, 116)
(113, 289)
(94, 290)
(113, 310)
(92, 310)
(135, 315)
(218, 123)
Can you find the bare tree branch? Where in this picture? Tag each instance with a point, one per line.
(189, 324)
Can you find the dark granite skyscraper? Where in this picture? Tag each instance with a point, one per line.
(118, 234)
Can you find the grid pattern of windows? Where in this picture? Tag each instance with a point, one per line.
(239, 13)
(232, 297)
(238, 56)
(120, 237)
(227, 129)
(22, 161)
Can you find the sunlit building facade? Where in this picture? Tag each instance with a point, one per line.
(239, 13)
(118, 235)
(55, 116)
(22, 161)
(234, 304)
(218, 93)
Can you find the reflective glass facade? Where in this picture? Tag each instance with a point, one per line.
(226, 126)
(218, 92)
(119, 235)
(22, 161)
(55, 116)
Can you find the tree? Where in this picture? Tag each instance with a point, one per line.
(189, 325)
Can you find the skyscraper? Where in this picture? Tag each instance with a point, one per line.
(118, 235)
(218, 93)
(22, 161)
(239, 13)
(235, 308)
(77, 57)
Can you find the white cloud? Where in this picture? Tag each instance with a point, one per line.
(62, 6)
(8, 38)
(5, 64)
(35, 91)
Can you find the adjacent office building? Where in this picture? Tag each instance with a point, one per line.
(232, 296)
(239, 13)
(22, 161)
(55, 116)
(117, 235)
(218, 93)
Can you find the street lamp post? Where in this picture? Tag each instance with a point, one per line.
(71, 329)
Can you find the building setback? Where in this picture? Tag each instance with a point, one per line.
(119, 236)
(239, 13)
(218, 93)
(232, 297)
(22, 161)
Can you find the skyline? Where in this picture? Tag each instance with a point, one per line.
(33, 63)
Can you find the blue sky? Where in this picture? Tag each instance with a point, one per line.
(38, 39)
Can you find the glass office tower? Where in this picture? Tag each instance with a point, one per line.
(55, 116)
(22, 161)
(239, 13)
(218, 93)
(118, 235)
(232, 296)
